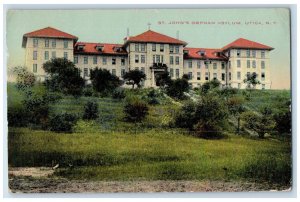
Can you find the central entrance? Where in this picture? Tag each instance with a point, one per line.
(156, 70)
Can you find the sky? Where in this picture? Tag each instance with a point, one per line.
(205, 28)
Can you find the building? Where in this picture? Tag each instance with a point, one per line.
(152, 53)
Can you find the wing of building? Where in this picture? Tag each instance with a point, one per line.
(152, 53)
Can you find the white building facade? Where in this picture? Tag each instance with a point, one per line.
(152, 53)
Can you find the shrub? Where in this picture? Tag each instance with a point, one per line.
(62, 122)
(177, 88)
(90, 110)
(152, 97)
(88, 91)
(103, 81)
(119, 94)
(135, 110)
(17, 116)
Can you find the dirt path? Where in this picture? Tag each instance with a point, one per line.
(39, 180)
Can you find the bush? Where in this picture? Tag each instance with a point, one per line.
(88, 91)
(90, 110)
(152, 97)
(62, 122)
(135, 110)
(177, 88)
(17, 116)
(119, 94)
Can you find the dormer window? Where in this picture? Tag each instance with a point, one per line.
(80, 47)
(99, 47)
(117, 49)
(202, 53)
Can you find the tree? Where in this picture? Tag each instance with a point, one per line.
(251, 80)
(163, 79)
(64, 76)
(177, 88)
(135, 110)
(208, 117)
(134, 77)
(283, 118)
(104, 81)
(25, 79)
(90, 110)
(210, 85)
(260, 123)
(235, 107)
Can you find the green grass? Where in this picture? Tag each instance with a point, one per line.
(111, 149)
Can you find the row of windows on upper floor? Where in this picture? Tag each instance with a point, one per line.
(141, 47)
(47, 43)
(95, 60)
(238, 64)
(215, 75)
(248, 53)
(46, 55)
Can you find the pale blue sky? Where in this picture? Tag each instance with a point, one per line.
(111, 26)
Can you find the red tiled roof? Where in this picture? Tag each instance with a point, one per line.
(50, 32)
(90, 48)
(244, 43)
(151, 36)
(210, 53)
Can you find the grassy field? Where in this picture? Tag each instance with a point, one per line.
(111, 149)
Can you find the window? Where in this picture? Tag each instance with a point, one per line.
(238, 76)
(177, 60)
(136, 47)
(113, 61)
(35, 42)
(229, 75)
(215, 75)
(198, 75)
(190, 64)
(253, 53)
(157, 58)
(239, 85)
(238, 63)
(53, 54)
(53, 43)
(229, 64)
(113, 72)
(153, 47)
(223, 65)
(136, 59)
(171, 72)
(95, 60)
(248, 63)
(254, 64)
(34, 68)
(104, 61)
(171, 60)
(66, 55)
(248, 75)
(177, 73)
(65, 44)
(75, 59)
(122, 61)
(198, 64)
(215, 65)
(122, 72)
(263, 64)
(153, 58)
(176, 49)
(143, 59)
(229, 53)
(34, 55)
(171, 49)
(162, 59)
(190, 75)
(263, 86)
(263, 76)
(85, 72)
(143, 47)
(238, 53)
(206, 65)
(202, 53)
(136, 68)
(85, 60)
(46, 42)
(161, 47)
(248, 53)
(46, 55)
(223, 76)
(143, 69)
(263, 54)
(206, 76)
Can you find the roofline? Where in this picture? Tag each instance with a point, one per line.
(239, 47)
(90, 53)
(133, 41)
